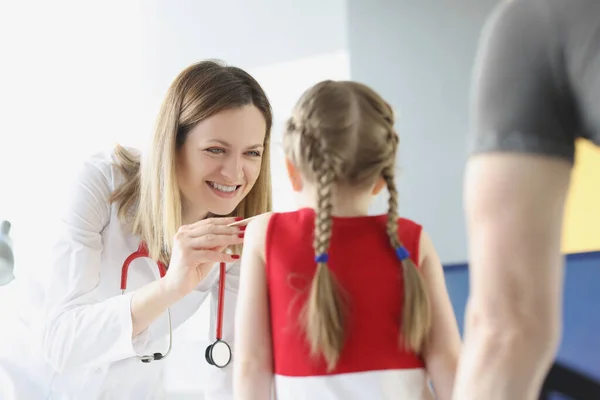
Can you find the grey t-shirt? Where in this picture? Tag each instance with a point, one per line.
(536, 84)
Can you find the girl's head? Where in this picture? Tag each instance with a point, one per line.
(341, 138)
(209, 155)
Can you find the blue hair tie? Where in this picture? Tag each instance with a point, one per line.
(322, 258)
(402, 253)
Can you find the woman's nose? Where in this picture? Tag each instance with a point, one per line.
(233, 169)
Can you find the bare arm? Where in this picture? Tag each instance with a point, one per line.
(443, 345)
(149, 302)
(514, 206)
(253, 361)
(524, 126)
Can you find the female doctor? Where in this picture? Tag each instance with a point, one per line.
(209, 157)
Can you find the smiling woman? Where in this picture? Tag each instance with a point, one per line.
(210, 116)
(221, 160)
(208, 166)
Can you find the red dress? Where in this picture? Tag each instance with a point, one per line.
(372, 365)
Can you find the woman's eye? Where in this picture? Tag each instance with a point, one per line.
(215, 150)
(254, 153)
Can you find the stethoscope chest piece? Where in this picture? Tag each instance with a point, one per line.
(218, 354)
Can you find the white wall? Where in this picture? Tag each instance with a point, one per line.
(69, 87)
(248, 34)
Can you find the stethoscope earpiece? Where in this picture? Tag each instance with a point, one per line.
(153, 357)
(218, 354)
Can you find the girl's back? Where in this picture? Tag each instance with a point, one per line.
(334, 303)
(372, 363)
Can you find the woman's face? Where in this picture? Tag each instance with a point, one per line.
(220, 161)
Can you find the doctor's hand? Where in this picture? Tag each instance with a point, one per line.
(196, 248)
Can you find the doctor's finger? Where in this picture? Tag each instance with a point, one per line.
(209, 229)
(211, 241)
(213, 221)
(211, 257)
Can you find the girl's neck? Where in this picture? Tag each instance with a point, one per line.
(346, 203)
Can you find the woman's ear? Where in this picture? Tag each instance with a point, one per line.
(379, 185)
(294, 175)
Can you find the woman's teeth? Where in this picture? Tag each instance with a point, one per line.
(223, 188)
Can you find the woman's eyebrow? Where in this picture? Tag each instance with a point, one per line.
(219, 141)
(225, 144)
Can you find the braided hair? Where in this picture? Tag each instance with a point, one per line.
(341, 133)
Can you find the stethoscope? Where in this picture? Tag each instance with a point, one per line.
(218, 353)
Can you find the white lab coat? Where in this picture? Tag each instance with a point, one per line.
(79, 345)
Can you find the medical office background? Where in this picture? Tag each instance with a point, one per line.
(79, 76)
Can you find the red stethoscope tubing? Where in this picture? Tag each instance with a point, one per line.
(220, 304)
(141, 252)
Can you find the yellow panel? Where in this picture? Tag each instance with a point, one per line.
(582, 213)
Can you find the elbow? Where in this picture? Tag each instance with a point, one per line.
(247, 367)
(441, 367)
(252, 367)
(55, 346)
(445, 361)
(528, 332)
(252, 379)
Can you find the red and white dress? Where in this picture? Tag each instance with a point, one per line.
(372, 364)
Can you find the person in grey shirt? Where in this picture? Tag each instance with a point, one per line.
(536, 89)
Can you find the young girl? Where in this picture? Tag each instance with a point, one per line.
(333, 303)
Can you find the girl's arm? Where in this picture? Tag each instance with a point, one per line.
(253, 356)
(443, 345)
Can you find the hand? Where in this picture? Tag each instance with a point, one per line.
(196, 248)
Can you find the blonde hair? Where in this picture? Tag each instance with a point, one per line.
(342, 133)
(149, 197)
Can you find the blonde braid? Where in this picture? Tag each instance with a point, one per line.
(416, 313)
(324, 311)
